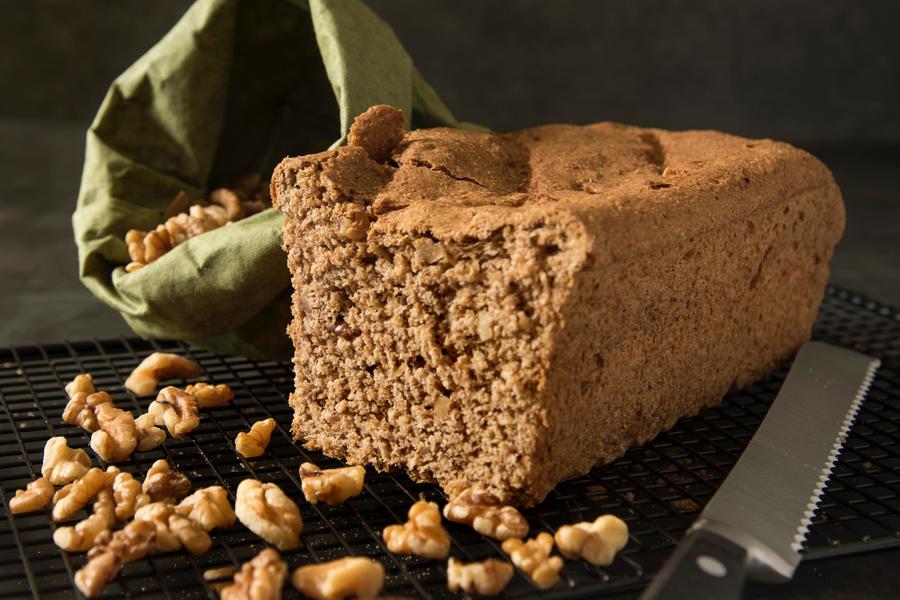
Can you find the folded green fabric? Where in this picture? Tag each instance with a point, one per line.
(233, 88)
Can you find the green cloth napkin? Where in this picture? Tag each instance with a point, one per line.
(233, 88)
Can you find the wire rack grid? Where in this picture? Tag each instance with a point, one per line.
(658, 488)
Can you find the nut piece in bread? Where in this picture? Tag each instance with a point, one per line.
(266, 511)
(350, 577)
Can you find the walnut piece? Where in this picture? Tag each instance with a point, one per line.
(596, 542)
(157, 367)
(208, 395)
(266, 511)
(484, 513)
(177, 410)
(533, 557)
(253, 443)
(71, 498)
(34, 497)
(165, 484)
(149, 435)
(117, 436)
(208, 507)
(80, 538)
(350, 577)
(147, 247)
(262, 577)
(62, 464)
(486, 578)
(174, 531)
(219, 573)
(422, 535)
(82, 409)
(110, 552)
(83, 383)
(128, 495)
(331, 486)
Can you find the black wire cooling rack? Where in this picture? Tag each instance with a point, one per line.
(658, 489)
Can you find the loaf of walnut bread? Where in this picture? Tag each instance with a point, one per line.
(508, 310)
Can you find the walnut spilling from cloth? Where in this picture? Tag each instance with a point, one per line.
(350, 577)
(331, 486)
(110, 552)
(80, 538)
(266, 511)
(174, 531)
(248, 196)
(117, 436)
(71, 498)
(177, 410)
(261, 577)
(35, 496)
(208, 507)
(486, 578)
(128, 495)
(422, 535)
(165, 484)
(253, 443)
(533, 557)
(596, 542)
(208, 395)
(484, 513)
(61, 464)
(157, 367)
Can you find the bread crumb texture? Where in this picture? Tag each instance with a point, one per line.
(507, 310)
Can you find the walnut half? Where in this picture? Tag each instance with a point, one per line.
(533, 557)
(350, 577)
(422, 535)
(484, 513)
(253, 443)
(596, 542)
(331, 486)
(174, 531)
(262, 577)
(486, 578)
(62, 464)
(110, 552)
(157, 367)
(80, 538)
(176, 409)
(165, 484)
(73, 497)
(34, 497)
(117, 436)
(208, 507)
(266, 511)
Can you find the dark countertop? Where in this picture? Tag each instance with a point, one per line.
(40, 166)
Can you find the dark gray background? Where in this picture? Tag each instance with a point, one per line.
(822, 75)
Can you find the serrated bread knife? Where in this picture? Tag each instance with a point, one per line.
(755, 524)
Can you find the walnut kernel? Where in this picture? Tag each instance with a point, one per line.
(174, 531)
(177, 410)
(82, 408)
(34, 497)
(116, 437)
(484, 513)
(266, 511)
(165, 484)
(533, 557)
(149, 435)
(208, 507)
(110, 552)
(157, 367)
(596, 542)
(61, 464)
(331, 486)
(253, 443)
(422, 535)
(262, 577)
(350, 577)
(80, 538)
(208, 395)
(486, 578)
(73, 497)
(128, 495)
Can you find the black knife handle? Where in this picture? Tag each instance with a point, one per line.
(704, 565)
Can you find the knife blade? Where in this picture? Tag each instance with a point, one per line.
(755, 524)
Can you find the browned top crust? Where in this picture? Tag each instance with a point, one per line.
(378, 130)
(633, 189)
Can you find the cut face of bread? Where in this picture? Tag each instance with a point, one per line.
(505, 311)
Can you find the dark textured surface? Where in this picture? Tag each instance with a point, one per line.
(657, 489)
